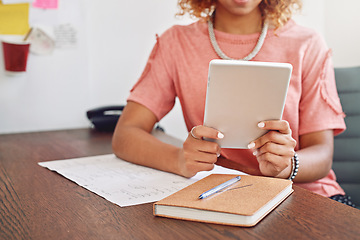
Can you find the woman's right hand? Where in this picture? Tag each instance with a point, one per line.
(198, 154)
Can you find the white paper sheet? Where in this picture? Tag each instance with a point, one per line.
(121, 182)
(66, 36)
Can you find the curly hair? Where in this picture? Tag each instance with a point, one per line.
(277, 12)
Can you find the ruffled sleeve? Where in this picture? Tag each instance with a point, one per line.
(320, 107)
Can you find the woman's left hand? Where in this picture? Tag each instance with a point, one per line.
(275, 149)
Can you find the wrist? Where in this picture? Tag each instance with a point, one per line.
(294, 167)
(179, 167)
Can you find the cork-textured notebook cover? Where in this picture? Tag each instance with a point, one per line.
(244, 198)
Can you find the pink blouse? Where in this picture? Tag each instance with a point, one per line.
(178, 67)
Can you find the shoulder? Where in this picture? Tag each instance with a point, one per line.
(307, 42)
(301, 34)
(178, 32)
(181, 38)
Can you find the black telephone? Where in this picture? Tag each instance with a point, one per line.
(105, 118)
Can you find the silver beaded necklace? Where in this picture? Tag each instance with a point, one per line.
(248, 57)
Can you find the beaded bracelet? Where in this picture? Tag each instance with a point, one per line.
(295, 166)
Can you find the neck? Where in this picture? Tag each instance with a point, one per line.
(237, 24)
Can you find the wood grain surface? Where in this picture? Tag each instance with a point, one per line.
(36, 203)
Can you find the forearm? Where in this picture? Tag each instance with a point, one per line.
(315, 156)
(315, 163)
(138, 146)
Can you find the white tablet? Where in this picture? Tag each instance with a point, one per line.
(240, 94)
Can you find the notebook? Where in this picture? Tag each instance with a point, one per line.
(244, 203)
(240, 94)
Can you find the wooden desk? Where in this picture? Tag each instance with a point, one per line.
(39, 204)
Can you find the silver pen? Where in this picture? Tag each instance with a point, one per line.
(219, 188)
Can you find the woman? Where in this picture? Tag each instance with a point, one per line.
(257, 30)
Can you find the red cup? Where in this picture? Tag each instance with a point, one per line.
(15, 56)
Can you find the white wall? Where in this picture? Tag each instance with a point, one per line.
(342, 31)
(53, 93)
(115, 40)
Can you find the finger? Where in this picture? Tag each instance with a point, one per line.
(271, 164)
(193, 167)
(206, 147)
(286, 151)
(274, 137)
(207, 158)
(269, 137)
(276, 149)
(192, 159)
(200, 131)
(279, 125)
(209, 147)
(201, 166)
(193, 134)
